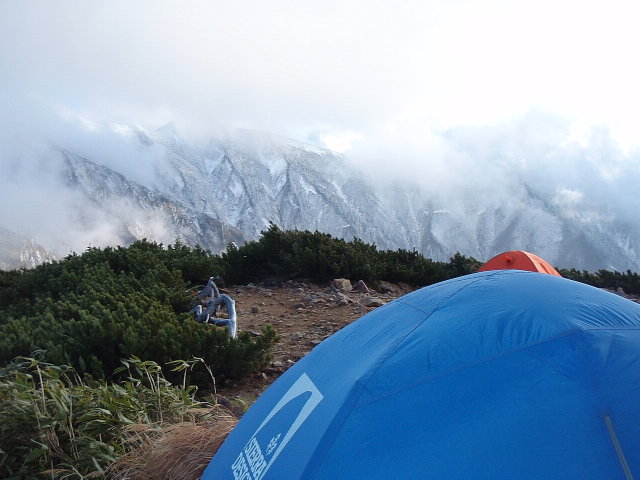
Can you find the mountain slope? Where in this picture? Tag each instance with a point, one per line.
(230, 186)
(18, 251)
(138, 212)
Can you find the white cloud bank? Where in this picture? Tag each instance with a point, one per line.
(292, 67)
(463, 94)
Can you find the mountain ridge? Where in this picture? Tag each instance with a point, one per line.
(231, 186)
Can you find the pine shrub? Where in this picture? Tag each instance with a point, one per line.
(91, 310)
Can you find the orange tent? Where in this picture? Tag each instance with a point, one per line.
(519, 260)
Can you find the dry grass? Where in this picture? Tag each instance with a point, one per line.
(176, 452)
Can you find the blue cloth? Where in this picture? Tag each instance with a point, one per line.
(497, 375)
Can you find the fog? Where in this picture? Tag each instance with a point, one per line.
(467, 98)
(324, 67)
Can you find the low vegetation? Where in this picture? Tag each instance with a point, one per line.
(83, 344)
(319, 256)
(91, 310)
(628, 281)
(55, 424)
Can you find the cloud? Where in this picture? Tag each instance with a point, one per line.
(465, 96)
(293, 67)
(495, 164)
(39, 204)
(339, 141)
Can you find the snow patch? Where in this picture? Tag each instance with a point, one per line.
(236, 187)
(212, 161)
(276, 165)
(307, 187)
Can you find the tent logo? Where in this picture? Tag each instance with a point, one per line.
(276, 430)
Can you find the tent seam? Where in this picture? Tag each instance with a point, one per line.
(605, 413)
(491, 358)
(404, 337)
(310, 470)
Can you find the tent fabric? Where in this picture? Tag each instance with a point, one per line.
(519, 260)
(497, 375)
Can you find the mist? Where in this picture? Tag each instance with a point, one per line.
(40, 204)
(584, 172)
(471, 101)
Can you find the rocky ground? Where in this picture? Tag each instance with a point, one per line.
(303, 314)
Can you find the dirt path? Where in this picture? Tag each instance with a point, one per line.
(303, 315)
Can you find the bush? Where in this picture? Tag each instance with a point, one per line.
(628, 281)
(319, 256)
(91, 310)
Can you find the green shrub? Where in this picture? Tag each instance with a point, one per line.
(628, 281)
(91, 310)
(319, 256)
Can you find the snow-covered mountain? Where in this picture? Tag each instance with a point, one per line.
(17, 251)
(136, 211)
(229, 187)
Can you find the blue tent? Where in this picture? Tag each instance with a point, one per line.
(496, 375)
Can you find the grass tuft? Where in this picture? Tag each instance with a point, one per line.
(177, 452)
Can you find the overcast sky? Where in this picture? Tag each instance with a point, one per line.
(462, 95)
(417, 89)
(326, 71)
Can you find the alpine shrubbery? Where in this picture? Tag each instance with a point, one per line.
(319, 256)
(91, 310)
(628, 281)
